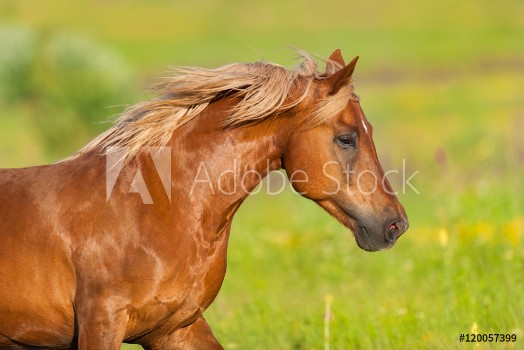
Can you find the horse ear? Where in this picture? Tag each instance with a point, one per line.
(343, 76)
(336, 56)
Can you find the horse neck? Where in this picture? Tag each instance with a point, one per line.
(214, 169)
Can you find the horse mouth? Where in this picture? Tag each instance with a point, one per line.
(362, 237)
(364, 240)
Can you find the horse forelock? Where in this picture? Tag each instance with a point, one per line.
(263, 90)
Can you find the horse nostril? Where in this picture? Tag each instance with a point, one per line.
(393, 232)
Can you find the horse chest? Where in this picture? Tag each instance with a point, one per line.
(195, 278)
(207, 271)
(183, 294)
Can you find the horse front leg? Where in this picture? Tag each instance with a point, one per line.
(196, 336)
(101, 325)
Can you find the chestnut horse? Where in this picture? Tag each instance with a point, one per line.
(126, 240)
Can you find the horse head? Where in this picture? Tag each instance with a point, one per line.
(337, 156)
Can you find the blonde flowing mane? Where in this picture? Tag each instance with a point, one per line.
(262, 88)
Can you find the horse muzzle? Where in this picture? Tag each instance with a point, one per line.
(372, 237)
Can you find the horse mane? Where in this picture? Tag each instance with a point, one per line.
(261, 87)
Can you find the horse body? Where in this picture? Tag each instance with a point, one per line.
(87, 250)
(83, 266)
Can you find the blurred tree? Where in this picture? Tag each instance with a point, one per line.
(64, 83)
(78, 81)
(17, 62)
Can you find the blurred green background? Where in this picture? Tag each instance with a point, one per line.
(443, 84)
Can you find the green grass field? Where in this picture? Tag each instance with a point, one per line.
(441, 82)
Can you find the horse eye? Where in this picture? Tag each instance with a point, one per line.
(347, 141)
